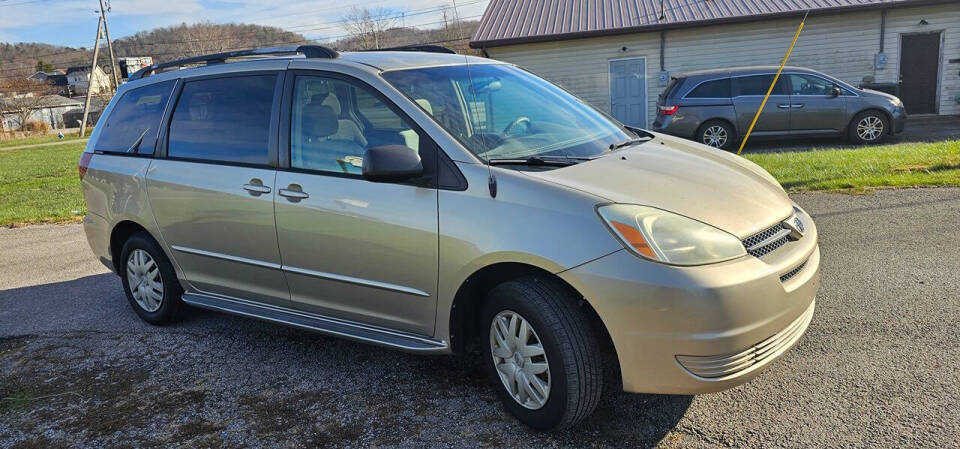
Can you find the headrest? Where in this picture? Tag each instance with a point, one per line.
(319, 120)
(425, 104)
(327, 99)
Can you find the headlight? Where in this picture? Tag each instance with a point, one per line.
(666, 237)
(896, 102)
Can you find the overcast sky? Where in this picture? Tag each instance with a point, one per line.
(73, 22)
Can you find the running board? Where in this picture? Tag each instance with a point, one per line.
(318, 323)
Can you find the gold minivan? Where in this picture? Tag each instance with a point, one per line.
(440, 203)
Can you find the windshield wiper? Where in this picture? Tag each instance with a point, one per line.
(538, 160)
(628, 142)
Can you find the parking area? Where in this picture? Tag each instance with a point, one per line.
(879, 366)
(918, 129)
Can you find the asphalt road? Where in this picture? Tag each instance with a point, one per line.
(878, 366)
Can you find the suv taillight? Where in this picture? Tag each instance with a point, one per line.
(83, 164)
(669, 110)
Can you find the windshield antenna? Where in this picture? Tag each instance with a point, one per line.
(491, 179)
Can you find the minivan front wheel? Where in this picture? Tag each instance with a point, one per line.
(717, 134)
(149, 280)
(869, 127)
(542, 356)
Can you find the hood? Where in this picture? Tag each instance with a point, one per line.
(877, 93)
(684, 177)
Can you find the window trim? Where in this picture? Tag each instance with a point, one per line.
(271, 130)
(158, 140)
(285, 128)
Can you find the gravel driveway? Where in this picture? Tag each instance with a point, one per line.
(879, 366)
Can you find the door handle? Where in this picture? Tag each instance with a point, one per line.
(783, 106)
(256, 187)
(294, 193)
(798, 106)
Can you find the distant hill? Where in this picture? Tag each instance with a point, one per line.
(180, 41)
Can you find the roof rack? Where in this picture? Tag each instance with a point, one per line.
(309, 51)
(419, 47)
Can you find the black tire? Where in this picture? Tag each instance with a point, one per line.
(866, 118)
(171, 305)
(719, 128)
(569, 341)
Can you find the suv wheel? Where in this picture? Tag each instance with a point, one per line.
(149, 280)
(542, 355)
(869, 127)
(717, 134)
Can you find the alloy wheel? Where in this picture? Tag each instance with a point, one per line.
(520, 359)
(144, 281)
(870, 128)
(715, 136)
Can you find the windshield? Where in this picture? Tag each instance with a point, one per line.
(508, 113)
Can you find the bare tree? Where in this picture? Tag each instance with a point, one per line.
(368, 28)
(21, 97)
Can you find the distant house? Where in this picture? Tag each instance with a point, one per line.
(129, 65)
(620, 54)
(56, 79)
(50, 109)
(80, 80)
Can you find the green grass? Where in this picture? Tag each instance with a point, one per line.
(32, 140)
(40, 184)
(900, 165)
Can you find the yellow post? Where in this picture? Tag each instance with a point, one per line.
(776, 77)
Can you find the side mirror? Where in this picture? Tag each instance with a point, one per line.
(391, 163)
(836, 92)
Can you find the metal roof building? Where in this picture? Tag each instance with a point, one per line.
(592, 46)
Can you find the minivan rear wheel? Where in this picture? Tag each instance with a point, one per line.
(869, 127)
(541, 353)
(149, 280)
(717, 134)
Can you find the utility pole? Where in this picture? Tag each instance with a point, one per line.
(113, 61)
(456, 16)
(93, 65)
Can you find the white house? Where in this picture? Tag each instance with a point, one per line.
(911, 46)
(79, 80)
(49, 109)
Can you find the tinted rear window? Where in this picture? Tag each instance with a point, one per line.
(757, 85)
(671, 89)
(132, 126)
(224, 119)
(712, 89)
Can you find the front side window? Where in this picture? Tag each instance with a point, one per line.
(133, 124)
(334, 122)
(810, 85)
(757, 85)
(712, 89)
(224, 119)
(500, 111)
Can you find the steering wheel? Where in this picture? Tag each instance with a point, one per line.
(514, 124)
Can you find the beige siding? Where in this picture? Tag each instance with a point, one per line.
(842, 45)
(945, 19)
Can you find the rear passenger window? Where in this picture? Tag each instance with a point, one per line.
(133, 124)
(224, 119)
(712, 89)
(757, 85)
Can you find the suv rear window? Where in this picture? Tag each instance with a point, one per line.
(671, 88)
(712, 89)
(224, 119)
(758, 85)
(132, 126)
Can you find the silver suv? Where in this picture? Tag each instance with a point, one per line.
(439, 203)
(716, 107)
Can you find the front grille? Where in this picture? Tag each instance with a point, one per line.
(752, 358)
(767, 240)
(790, 274)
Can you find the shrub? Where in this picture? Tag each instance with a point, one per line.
(35, 126)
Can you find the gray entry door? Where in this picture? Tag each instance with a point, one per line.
(919, 71)
(628, 91)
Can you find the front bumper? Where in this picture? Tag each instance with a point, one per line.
(899, 115)
(690, 330)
